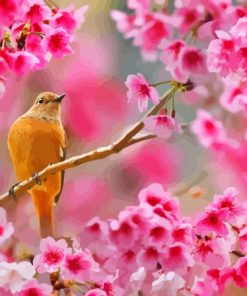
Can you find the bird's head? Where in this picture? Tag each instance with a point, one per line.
(47, 106)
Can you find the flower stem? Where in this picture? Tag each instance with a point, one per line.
(163, 82)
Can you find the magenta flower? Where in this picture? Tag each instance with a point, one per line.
(213, 221)
(234, 98)
(154, 30)
(140, 91)
(52, 255)
(208, 130)
(24, 62)
(162, 125)
(148, 258)
(177, 257)
(228, 201)
(125, 23)
(6, 228)
(171, 51)
(77, 266)
(192, 60)
(221, 55)
(33, 288)
(57, 43)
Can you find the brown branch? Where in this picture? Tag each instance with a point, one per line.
(238, 254)
(51, 3)
(99, 153)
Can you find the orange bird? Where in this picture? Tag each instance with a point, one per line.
(36, 139)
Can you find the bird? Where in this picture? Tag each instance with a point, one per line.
(37, 139)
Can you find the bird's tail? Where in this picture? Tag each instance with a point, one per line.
(43, 203)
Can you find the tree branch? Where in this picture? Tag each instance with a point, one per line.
(99, 153)
(51, 3)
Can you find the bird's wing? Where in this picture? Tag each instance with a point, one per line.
(63, 156)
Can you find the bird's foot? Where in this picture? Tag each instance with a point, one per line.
(36, 178)
(12, 192)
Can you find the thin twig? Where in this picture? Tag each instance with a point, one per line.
(238, 254)
(99, 153)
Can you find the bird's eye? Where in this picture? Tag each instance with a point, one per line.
(41, 101)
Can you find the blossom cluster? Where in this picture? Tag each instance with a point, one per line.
(150, 248)
(31, 33)
(204, 41)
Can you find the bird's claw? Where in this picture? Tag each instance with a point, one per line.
(12, 192)
(36, 178)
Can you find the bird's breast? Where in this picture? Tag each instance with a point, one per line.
(33, 144)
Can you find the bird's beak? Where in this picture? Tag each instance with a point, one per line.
(60, 98)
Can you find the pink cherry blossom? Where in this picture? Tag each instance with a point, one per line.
(151, 34)
(8, 11)
(177, 257)
(171, 51)
(6, 228)
(57, 43)
(37, 13)
(208, 130)
(32, 287)
(52, 255)
(168, 283)
(233, 98)
(182, 233)
(213, 220)
(140, 91)
(14, 274)
(148, 257)
(162, 125)
(221, 55)
(228, 201)
(159, 233)
(192, 60)
(77, 266)
(238, 31)
(187, 17)
(125, 23)
(24, 62)
(137, 278)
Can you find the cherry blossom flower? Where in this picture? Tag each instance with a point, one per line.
(125, 23)
(24, 62)
(167, 284)
(162, 125)
(148, 257)
(52, 255)
(6, 228)
(171, 51)
(32, 287)
(14, 274)
(140, 91)
(229, 202)
(137, 278)
(58, 43)
(221, 55)
(234, 98)
(192, 60)
(77, 266)
(151, 34)
(208, 130)
(213, 220)
(177, 258)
